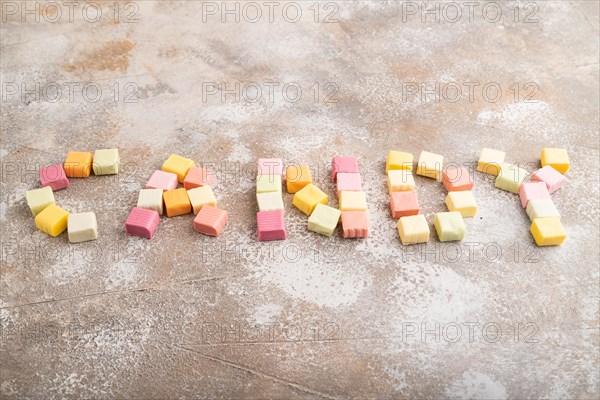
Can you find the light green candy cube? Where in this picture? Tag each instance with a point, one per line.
(324, 219)
(106, 162)
(449, 226)
(268, 183)
(510, 178)
(38, 199)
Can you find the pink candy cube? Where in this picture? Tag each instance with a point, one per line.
(142, 222)
(553, 179)
(533, 191)
(343, 164)
(197, 177)
(210, 220)
(270, 166)
(457, 179)
(349, 181)
(162, 180)
(271, 225)
(55, 177)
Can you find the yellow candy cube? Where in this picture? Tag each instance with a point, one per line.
(413, 229)
(268, 183)
(430, 165)
(307, 198)
(52, 220)
(463, 202)
(556, 158)
(353, 201)
(548, 231)
(490, 161)
(297, 177)
(178, 165)
(38, 199)
(399, 160)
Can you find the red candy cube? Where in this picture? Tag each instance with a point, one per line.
(210, 220)
(457, 179)
(197, 177)
(55, 177)
(271, 225)
(142, 222)
(404, 204)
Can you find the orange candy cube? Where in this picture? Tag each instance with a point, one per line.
(78, 164)
(177, 202)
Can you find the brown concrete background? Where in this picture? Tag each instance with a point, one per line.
(187, 316)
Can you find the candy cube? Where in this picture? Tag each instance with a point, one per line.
(38, 199)
(270, 166)
(178, 165)
(404, 204)
(162, 180)
(297, 177)
(142, 222)
(271, 225)
(200, 197)
(449, 226)
(343, 164)
(510, 178)
(533, 190)
(197, 177)
(353, 201)
(210, 220)
(490, 161)
(548, 231)
(463, 202)
(355, 224)
(78, 164)
(268, 183)
(349, 181)
(324, 219)
(151, 199)
(82, 227)
(556, 158)
(430, 165)
(52, 220)
(399, 160)
(553, 179)
(269, 201)
(413, 229)
(307, 198)
(457, 179)
(106, 162)
(177, 202)
(55, 177)
(400, 180)
(542, 208)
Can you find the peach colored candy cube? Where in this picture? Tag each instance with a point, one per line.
(355, 224)
(457, 179)
(198, 176)
(553, 179)
(55, 177)
(404, 204)
(210, 220)
(533, 191)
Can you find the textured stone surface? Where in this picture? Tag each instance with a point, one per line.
(185, 315)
